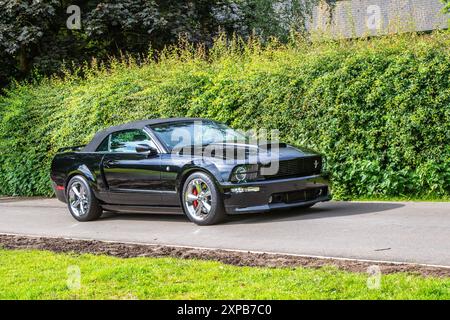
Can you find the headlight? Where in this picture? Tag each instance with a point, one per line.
(240, 174)
(244, 173)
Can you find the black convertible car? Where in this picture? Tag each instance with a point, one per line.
(203, 166)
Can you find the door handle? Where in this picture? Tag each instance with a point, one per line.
(108, 163)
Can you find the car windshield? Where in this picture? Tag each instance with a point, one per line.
(195, 133)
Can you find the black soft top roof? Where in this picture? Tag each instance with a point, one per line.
(101, 135)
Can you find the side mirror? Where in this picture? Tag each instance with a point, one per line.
(145, 148)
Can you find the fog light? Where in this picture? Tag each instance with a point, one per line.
(242, 190)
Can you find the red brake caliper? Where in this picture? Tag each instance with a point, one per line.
(195, 202)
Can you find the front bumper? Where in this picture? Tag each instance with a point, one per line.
(275, 194)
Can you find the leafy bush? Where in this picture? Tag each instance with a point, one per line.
(378, 109)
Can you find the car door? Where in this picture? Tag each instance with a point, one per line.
(132, 178)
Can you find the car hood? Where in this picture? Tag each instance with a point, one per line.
(248, 153)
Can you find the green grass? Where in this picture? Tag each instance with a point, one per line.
(31, 274)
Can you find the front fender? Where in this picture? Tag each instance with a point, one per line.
(219, 176)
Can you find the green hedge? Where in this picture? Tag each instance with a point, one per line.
(378, 109)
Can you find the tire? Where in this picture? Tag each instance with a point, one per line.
(198, 194)
(82, 203)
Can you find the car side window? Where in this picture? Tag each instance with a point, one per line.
(104, 146)
(127, 141)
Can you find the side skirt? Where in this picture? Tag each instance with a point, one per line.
(142, 209)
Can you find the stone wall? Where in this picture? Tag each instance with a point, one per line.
(354, 18)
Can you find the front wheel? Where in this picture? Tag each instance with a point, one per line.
(81, 201)
(202, 201)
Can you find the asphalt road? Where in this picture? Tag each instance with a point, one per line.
(417, 232)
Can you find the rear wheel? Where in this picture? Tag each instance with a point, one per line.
(81, 201)
(202, 202)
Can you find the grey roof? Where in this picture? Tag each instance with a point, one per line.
(101, 135)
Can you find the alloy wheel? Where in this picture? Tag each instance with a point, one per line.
(198, 198)
(78, 199)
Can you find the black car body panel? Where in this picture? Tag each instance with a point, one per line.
(276, 194)
(135, 182)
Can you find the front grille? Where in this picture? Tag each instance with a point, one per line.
(299, 195)
(294, 168)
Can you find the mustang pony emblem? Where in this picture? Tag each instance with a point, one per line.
(316, 163)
